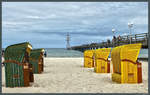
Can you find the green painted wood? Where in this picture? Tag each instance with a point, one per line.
(14, 52)
(35, 55)
(21, 73)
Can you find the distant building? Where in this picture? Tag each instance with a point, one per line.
(68, 41)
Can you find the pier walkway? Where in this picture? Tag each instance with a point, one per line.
(122, 40)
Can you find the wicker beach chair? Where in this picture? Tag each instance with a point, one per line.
(89, 58)
(36, 59)
(18, 71)
(126, 68)
(102, 64)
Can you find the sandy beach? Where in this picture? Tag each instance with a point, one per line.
(67, 75)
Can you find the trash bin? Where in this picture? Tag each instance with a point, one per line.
(102, 64)
(36, 59)
(89, 58)
(17, 67)
(126, 68)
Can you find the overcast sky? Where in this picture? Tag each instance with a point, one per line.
(45, 24)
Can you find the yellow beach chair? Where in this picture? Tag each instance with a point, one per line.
(102, 64)
(126, 68)
(89, 58)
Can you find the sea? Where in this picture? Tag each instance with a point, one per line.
(62, 52)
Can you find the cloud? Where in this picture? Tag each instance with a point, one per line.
(33, 17)
(48, 22)
(10, 23)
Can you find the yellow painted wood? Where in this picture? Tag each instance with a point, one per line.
(130, 52)
(116, 77)
(115, 58)
(127, 70)
(101, 65)
(88, 58)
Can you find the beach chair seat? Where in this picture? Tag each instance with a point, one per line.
(17, 71)
(102, 64)
(126, 68)
(36, 59)
(89, 58)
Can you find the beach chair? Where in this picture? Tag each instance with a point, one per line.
(89, 58)
(18, 71)
(36, 59)
(126, 68)
(102, 64)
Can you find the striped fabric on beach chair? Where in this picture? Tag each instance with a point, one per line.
(18, 71)
(89, 58)
(102, 64)
(37, 60)
(126, 68)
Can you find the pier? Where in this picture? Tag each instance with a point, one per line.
(120, 40)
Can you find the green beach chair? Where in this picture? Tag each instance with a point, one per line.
(18, 71)
(36, 59)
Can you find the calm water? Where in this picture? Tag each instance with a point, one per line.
(60, 52)
(143, 53)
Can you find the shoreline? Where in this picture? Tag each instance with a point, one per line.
(140, 59)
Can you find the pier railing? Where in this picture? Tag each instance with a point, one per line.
(120, 40)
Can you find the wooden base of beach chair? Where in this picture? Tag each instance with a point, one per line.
(127, 77)
(31, 76)
(105, 68)
(139, 72)
(108, 67)
(26, 76)
(40, 66)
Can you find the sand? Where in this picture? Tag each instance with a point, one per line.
(67, 75)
